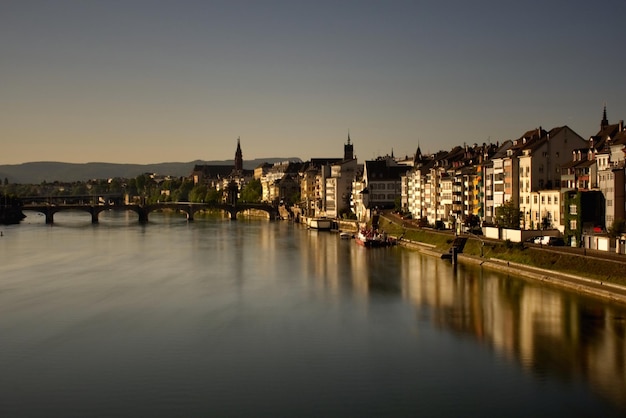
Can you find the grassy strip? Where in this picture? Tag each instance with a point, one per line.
(441, 241)
(605, 271)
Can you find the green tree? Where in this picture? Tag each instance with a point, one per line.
(252, 192)
(508, 215)
(397, 203)
(140, 183)
(617, 228)
(115, 186)
(198, 193)
(79, 189)
(294, 198)
(471, 221)
(182, 193)
(132, 187)
(213, 196)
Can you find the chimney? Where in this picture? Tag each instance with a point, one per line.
(621, 125)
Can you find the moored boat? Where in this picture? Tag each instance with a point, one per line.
(372, 239)
(322, 224)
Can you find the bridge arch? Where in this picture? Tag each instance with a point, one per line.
(98, 210)
(143, 211)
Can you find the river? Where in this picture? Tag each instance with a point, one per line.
(258, 318)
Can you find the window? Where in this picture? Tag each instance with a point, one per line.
(572, 224)
(573, 210)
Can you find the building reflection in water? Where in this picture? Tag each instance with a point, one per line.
(549, 331)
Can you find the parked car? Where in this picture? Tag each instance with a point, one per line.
(556, 241)
(548, 240)
(540, 240)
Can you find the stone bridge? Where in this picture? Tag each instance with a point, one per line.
(143, 211)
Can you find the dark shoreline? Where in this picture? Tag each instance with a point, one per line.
(11, 216)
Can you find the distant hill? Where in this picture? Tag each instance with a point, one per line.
(37, 172)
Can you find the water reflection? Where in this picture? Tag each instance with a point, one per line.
(550, 332)
(221, 318)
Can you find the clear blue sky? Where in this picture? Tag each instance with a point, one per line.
(133, 81)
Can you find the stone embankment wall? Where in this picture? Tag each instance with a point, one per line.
(609, 291)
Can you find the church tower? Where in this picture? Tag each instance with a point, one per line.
(418, 155)
(348, 150)
(238, 158)
(605, 122)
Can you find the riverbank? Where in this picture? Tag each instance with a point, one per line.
(10, 215)
(591, 275)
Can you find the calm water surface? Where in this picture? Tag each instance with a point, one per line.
(259, 318)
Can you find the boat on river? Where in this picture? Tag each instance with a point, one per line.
(373, 239)
(345, 235)
(322, 224)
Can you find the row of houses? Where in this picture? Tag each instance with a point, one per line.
(552, 179)
(548, 179)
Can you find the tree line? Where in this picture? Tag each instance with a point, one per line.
(144, 187)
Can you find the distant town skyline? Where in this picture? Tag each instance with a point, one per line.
(146, 82)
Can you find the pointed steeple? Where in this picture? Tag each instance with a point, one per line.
(604, 123)
(238, 157)
(418, 154)
(348, 150)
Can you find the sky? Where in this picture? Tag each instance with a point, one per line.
(133, 81)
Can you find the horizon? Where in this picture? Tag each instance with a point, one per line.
(144, 82)
(154, 163)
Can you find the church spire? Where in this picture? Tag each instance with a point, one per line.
(604, 123)
(238, 157)
(348, 150)
(418, 154)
